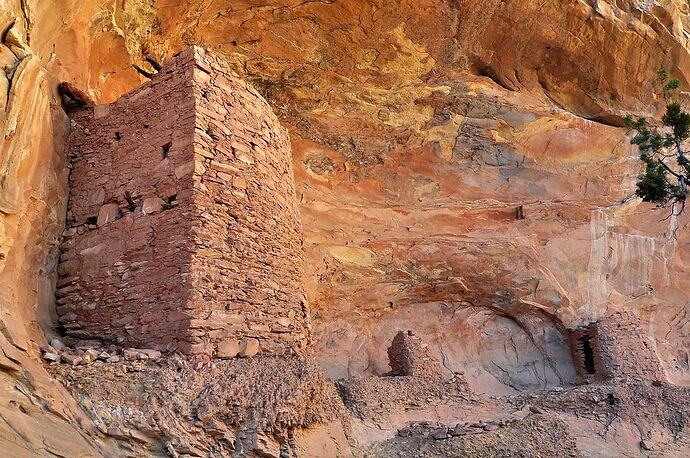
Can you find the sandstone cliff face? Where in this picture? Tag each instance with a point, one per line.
(421, 131)
(38, 415)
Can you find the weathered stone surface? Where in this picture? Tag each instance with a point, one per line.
(228, 348)
(378, 133)
(249, 348)
(107, 214)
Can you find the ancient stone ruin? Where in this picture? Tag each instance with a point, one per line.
(183, 232)
(615, 347)
(409, 355)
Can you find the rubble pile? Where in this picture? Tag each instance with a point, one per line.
(57, 352)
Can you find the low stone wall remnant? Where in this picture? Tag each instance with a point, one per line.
(615, 347)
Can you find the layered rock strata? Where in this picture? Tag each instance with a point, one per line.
(182, 230)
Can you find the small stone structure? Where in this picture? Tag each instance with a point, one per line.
(615, 347)
(183, 231)
(409, 355)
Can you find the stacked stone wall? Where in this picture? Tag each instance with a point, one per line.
(598, 370)
(620, 349)
(124, 272)
(249, 261)
(626, 349)
(409, 355)
(183, 231)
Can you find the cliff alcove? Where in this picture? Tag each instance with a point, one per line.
(460, 171)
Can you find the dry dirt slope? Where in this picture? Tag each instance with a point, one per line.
(417, 129)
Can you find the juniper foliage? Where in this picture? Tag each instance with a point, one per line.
(667, 168)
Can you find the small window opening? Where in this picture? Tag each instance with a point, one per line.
(118, 136)
(92, 220)
(165, 150)
(587, 353)
(519, 212)
(169, 201)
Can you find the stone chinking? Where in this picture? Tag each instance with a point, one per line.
(183, 232)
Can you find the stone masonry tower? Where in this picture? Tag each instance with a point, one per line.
(616, 346)
(183, 232)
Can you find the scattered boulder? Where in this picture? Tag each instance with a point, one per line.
(52, 357)
(440, 433)
(130, 354)
(152, 205)
(134, 354)
(228, 349)
(91, 353)
(250, 347)
(86, 355)
(404, 432)
(535, 409)
(71, 359)
(153, 355)
(57, 344)
(459, 430)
